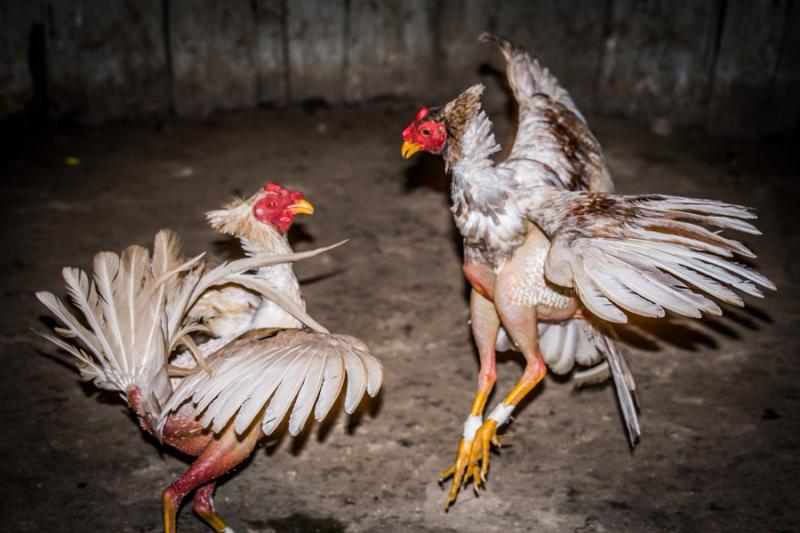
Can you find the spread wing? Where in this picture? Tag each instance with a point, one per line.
(645, 254)
(551, 130)
(268, 374)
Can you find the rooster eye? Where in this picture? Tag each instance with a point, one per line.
(426, 132)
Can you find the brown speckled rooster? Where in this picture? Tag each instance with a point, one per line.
(551, 253)
(135, 313)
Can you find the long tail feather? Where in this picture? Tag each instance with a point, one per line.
(624, 385)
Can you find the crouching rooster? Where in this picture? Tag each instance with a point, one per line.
(552, 254)
(139, 308)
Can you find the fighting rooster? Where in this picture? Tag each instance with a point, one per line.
(553, 255)
(135, 313)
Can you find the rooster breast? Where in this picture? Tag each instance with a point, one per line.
(525, 283)
(271, 315)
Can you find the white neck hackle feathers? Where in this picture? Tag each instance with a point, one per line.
(483, 194)
(256, 238)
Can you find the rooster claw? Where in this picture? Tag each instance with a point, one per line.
(472, 461)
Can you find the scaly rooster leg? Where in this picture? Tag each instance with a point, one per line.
(485, 325)
(203, 506)
(520, 323)
(223, 453)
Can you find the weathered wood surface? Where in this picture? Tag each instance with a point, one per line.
(732, 66)
(16, 83)
(782, 108)
(316, 36)
(270, 55)
(658, 59)
(748, 59)
(106, 58)
(213, 59)
(459, 59)
(388, 48)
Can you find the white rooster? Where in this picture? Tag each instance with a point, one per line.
(135, 312)
(550, 250)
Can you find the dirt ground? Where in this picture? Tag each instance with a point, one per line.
(720, 398)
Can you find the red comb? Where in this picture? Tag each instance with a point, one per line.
(421, 113)
(273, 187)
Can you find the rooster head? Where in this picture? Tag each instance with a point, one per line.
(424, 133)
(273, 205)
(277, 206)
(433, 130)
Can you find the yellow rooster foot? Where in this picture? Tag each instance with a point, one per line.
(471, 452)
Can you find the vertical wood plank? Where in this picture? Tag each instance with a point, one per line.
(16, 20)
(748, 57)
(213, 46)
(107, 58)
(658, 59)
(782, 108)
(457, 53)
(316, 36)
(270, 53)
(389, 48)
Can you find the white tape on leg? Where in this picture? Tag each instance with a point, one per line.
(471, 426)
(501, 413)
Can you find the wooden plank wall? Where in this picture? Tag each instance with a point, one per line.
(658, 59)
(749, 58)
(106, 59)
(16, 81)
(731, 66)
(213, 48)
(388, 47)
(783, 98)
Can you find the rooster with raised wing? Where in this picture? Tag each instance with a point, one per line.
(552, 254)
(136, 312)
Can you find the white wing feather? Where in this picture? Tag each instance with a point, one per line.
(549, 118)
(331, 387)
(638, 253)
(307, 395)
(268, 374)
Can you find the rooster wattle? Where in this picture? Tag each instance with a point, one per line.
(552, 253)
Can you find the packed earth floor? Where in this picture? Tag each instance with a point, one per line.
(720, 398)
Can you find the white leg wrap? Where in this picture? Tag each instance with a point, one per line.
(228, 530)
(471, 426)
(501, 413)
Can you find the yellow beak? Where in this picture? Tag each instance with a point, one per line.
(410, 149)
(302, 207)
